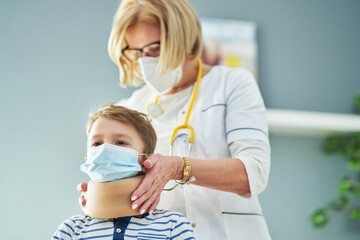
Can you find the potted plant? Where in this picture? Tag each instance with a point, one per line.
(348, 200)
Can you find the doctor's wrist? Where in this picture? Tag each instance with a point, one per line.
(180, 164)
(187, 171)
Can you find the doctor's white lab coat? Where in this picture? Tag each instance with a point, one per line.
(229, 121)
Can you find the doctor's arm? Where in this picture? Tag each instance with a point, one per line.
(226, 174)
(246, 173)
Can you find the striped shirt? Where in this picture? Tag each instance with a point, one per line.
(161, 224)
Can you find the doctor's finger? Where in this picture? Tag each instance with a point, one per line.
(152, 197)
(152, 160)
(149, 202)
(82, 200)
(140, 201)
(142, 188)
(149, 195)
(154, 204)
(82, 187)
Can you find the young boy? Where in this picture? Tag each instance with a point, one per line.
(116, 127)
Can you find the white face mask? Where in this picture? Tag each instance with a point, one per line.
(160, 83)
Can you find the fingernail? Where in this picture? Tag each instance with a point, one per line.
(134, 206)
(151, 212)
(142, 211)
(133, 198)
(149, 162)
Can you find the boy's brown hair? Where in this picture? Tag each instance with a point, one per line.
(138, 120)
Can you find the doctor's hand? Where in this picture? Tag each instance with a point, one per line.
(82, 188)
(160, 169)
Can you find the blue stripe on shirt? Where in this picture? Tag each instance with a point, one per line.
(160, 213)
(171, 214)
(94, 237)
(181, 224)
(147, 235)
(55, 237)
(181, 233)
(92, 224)
(149, 229)
(66, 224)
(94, 230)
(146, 224)
(64, 232)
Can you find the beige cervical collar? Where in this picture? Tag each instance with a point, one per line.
(111, 199)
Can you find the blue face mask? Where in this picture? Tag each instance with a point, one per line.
(109, 163)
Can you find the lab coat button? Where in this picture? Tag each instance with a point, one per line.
(193, 225)
(118, 230)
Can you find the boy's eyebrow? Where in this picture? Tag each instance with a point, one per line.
(96, 136)
(114, 135)
(122, 135)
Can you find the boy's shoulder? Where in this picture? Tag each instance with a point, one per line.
(82, 219)
(79, 225)
(76, 220)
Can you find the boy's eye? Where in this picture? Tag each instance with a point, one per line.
(96, 144)
(121, 143)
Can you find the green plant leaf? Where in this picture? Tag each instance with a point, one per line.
(344, 187)
(340, 204)
(319, 218)
(332, 144)
(356, 190)
(353, 164)
(355, 213)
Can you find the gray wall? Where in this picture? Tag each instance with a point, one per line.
(54, 68)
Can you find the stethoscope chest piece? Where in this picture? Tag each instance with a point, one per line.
(154, 110)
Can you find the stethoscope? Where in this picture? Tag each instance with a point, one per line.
(155, 110)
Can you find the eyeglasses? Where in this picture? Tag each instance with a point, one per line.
(151, 50)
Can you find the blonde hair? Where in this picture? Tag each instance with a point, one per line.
(180, 34)
(139, 121)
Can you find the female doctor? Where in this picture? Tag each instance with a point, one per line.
(211, 118)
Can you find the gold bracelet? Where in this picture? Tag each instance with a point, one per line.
(187, 170)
